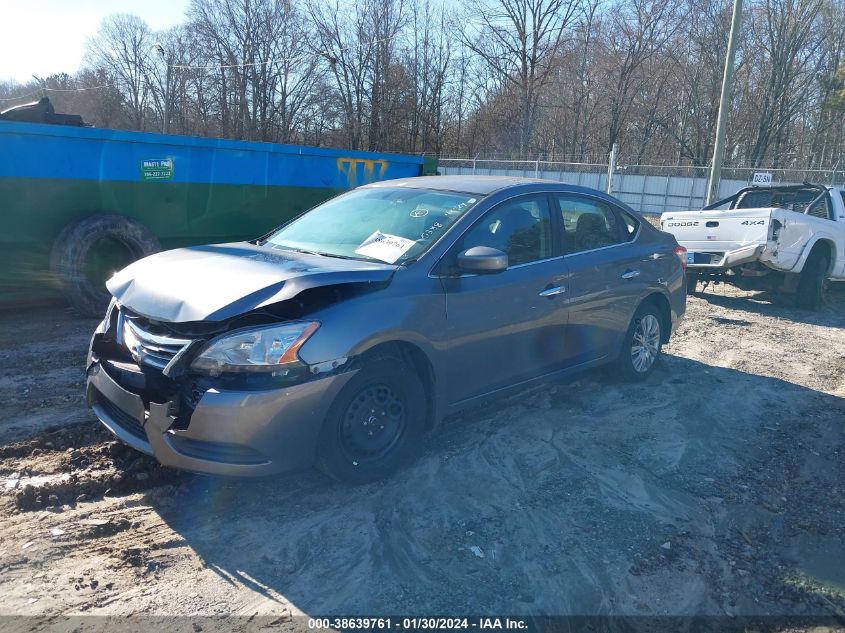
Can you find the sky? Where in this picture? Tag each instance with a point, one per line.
(42, 37)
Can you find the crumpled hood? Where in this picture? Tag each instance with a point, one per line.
(220, 281)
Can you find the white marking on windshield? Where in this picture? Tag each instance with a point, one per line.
(430, 231)
(458, 208)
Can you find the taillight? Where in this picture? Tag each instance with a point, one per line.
(681, 252)
(774, 230)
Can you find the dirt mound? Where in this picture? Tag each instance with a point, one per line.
(76, 464)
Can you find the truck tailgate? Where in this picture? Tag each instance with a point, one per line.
(718, 231)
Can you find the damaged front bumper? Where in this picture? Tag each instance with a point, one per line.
(250, 432)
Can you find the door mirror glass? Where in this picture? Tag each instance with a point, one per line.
(482, 259)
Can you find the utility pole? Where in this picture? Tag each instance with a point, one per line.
(165, 126)
(724, 105)
(611, 167)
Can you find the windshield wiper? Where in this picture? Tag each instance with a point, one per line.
(279, 247)
(303, 250)
(334, 255)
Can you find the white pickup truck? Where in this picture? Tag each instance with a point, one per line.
(781, 237)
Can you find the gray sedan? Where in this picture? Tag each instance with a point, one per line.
(343, 336)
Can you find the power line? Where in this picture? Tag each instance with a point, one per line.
(26, 96)
(330, 55)
(43, 90)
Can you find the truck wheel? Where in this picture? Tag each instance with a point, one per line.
(88, 252)
(812, 282)
(692, 283)
(375, 423)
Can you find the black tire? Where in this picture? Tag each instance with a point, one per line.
(353, 445)
(812, 282)
(642, 326)
(76, 247)
(692, 284)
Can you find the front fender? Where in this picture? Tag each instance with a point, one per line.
(350, 328)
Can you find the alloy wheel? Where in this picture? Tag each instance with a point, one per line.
(646, 343)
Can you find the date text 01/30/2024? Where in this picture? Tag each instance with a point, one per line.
(417, 623)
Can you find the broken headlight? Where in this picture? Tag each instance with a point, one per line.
(270, 349)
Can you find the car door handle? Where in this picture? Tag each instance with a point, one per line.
(551, 292)
(630, 274)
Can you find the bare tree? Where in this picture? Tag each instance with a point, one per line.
(696, 57)
(358, 43)
(640, 29)
(519, 40)
(344, 42)
(790, 38)
(296, 72)
(169, 50)
(511, 78)
(428, 62)
(122, 48)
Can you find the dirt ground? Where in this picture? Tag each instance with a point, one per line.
(717, 487)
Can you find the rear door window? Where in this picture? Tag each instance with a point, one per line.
(590, 224)
(629, 226)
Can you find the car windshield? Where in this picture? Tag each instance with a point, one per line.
(388, 224)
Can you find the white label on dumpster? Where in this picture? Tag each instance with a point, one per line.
(385, 247)
(157, 169)
(762, 178)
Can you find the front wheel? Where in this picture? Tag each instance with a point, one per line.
(375, 423)
(642, 344)
(812, 282)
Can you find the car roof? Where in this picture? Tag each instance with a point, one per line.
(484, 185)
(479, 185)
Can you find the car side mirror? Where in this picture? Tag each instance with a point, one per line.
(482, 260)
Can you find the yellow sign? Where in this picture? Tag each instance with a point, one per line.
(372, 170)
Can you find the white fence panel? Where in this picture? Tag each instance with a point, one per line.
(666, 189)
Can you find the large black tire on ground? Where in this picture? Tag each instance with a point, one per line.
(625, 366)
(356, 411)
(73, 247)
(812, 282)
(692, 283)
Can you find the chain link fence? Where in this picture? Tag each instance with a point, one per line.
(650, 189)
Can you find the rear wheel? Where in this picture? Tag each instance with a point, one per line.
(642, 344)
(692, 283)
(374, 424)
(812, 282)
